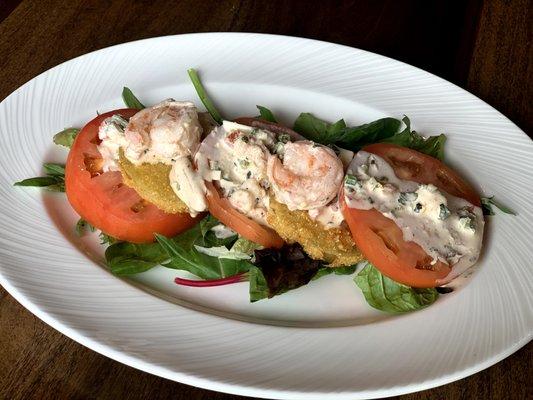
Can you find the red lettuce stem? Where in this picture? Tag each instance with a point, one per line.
(212, 282)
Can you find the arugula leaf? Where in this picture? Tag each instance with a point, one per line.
(83, 226)
(130, 100)
(266, 114)
(54, 181)
(432, 146)
(40, 181)
(386, 295)
(349, 270)
(52, 169)
(279, 270)
(488, 202)
(202, 94)
(66, 137)
(124, 258)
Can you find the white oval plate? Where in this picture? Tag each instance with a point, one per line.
(321, 341)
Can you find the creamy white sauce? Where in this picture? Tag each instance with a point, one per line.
(329, 216)
(111, 134)
(235, 156)
(188, 185)
(448, 228)
(167, 133)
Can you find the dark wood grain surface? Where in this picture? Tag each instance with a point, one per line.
(484, 47)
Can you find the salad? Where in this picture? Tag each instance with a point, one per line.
(253, 200)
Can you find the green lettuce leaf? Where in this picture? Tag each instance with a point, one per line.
(386, 295)
(180, 252)
(183, 255)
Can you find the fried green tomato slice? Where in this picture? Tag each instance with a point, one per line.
(151, 182)
(334, 246)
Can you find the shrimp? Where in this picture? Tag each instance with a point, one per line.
(162, 133)
(309, 176)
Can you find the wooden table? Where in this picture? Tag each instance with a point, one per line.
(484, 47)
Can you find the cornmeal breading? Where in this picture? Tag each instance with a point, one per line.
(334, 245)
(151, 182)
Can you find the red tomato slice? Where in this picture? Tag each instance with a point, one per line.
(103, 200)
(222, 209)
(381, 240)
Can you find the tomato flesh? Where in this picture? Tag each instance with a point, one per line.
(381, 240)
(103, 200)
(222, 209)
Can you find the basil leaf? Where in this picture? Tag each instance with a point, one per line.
(52, 169)
(130, 100)
(124, 258)
(318, 130)
(266, 114)
(384, 130)
(40, 181)
(386, 295)
(432, 146)
(488, 202)
(349, 270)
(353, 138)
(202, 94)
(66, 137)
